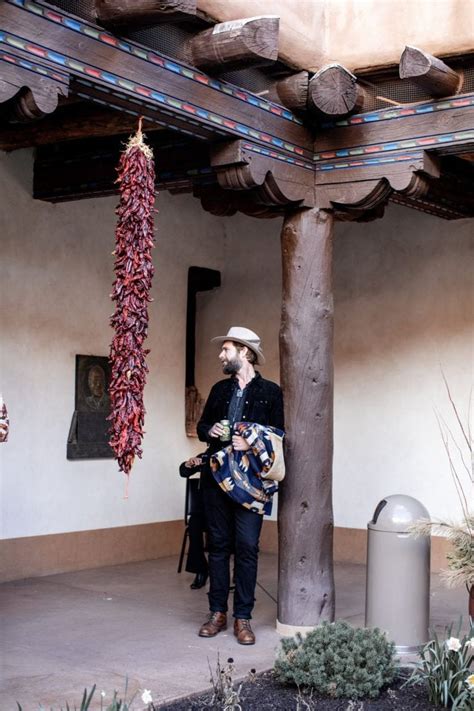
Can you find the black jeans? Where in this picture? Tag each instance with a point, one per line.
(231, 529)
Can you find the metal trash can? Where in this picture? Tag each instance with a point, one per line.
(398, 573)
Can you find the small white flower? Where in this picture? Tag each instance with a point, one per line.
(453, 644)
(470, 643)
(146, 696)
(103, 694)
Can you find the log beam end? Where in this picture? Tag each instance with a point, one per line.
(429, 73)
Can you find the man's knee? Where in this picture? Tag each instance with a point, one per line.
(247, 548)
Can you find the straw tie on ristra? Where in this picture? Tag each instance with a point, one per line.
(131, 293)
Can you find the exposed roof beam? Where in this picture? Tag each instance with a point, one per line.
(144, 81)
(333, 92)
(83, 120)
(428, 72)
(233, 45)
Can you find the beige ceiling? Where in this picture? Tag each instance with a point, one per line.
(358, 33)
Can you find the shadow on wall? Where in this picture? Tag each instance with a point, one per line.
(401, 280)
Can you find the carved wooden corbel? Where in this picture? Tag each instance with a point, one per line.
(270, 180)
(359, 202)
(33, 95)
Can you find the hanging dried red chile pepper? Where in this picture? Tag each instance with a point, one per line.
(131, 292)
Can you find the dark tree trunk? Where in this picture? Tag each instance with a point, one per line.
(306, 582)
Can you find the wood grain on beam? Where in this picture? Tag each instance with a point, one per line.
(232, 45)
(334, 92)
(428, 72)
(69, 123)
(37, 95)
(142, 80)
(116, 13)
(293, 91)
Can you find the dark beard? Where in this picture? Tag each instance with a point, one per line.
(232, 367)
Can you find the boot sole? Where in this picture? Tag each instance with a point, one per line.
(247, 644)
(212, 635)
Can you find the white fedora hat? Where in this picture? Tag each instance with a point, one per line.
(246, 337)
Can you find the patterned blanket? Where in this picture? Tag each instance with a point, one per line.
(244, 476)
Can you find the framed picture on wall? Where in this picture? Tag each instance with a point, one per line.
(89, 432)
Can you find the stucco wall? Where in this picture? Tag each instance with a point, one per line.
(56, 277)
(403, 292)
(357, 33)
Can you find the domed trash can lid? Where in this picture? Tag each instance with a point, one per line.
(397, 513)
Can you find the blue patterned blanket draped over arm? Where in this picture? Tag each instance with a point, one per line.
(242, 474)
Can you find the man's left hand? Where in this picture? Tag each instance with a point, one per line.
(239, 444)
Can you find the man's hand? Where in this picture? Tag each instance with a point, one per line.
(216, 430)
(239, 444)
(193, 462)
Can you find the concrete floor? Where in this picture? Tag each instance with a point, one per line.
(63, 632)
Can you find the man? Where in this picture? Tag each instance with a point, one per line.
(244, 397)
(98, 400)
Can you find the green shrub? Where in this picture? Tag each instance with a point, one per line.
(338, 660)
(445, 669)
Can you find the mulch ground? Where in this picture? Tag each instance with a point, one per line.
(264, 693)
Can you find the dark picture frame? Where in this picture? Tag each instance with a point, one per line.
(89, 432)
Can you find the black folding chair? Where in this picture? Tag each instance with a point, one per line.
(191, 506)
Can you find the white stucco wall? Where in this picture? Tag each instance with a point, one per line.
(403, 304)
(55, 285)
(357, 33)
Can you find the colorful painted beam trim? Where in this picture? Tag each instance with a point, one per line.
(172, 65)
(363, 163)
(34, 67)
(278, 156)
(404, 111)
(420, 142)
(114, 80)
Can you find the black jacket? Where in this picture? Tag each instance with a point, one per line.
(263, 404)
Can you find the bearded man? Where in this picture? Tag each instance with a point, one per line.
(232, 528)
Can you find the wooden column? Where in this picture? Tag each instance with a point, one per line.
(306, 582)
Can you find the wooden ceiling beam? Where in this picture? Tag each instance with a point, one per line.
(234, 45)
(83, 120)
(428, 72)
(142, 80)
(332, 93)
(120, 13)
(293, 91)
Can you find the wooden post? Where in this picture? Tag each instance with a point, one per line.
(428, 72)
(306, 581)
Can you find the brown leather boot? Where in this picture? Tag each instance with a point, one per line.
(243, 632)
(216, 623)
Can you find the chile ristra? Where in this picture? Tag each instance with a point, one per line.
(131, 292)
